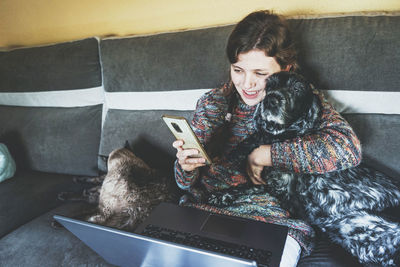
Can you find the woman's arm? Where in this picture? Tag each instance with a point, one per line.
(206, 118)
(185, 179)
(256, 161)
(333, 147)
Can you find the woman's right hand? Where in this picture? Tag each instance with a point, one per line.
(185, 157)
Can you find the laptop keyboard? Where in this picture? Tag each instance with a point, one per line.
(262, 257)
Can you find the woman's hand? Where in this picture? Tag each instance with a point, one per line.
(256, 161)
(185, 157)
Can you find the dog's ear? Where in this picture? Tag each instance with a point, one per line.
(258, 118)
(272, 81)
(307, 122)
(127, 146)
(104, 159)
(313, 113)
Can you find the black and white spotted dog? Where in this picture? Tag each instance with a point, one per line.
(344, 204)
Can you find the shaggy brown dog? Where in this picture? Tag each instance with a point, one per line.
(128, 193)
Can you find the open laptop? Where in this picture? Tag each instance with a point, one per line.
(184, 237)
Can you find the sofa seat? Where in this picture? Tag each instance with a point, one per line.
(29, 194)
(42, 245)
(64, 249)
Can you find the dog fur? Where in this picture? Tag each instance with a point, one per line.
(127, 194)
(345, 204)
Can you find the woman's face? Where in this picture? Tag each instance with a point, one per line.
(249, 75)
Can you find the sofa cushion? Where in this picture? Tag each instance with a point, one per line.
(64, 66)
(148, 136)
(164, 62)
(350, 52)
(61, 140)
(379, 136)
(28, 195)
(51, 106)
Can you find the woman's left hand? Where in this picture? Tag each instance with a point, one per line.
(256, 161)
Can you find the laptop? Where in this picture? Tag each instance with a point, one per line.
(184, 237)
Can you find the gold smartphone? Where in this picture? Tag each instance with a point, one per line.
(181, 129)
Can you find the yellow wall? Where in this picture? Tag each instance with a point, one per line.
(37, 22)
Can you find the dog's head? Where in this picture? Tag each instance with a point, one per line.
(123, 160)
(289, 104)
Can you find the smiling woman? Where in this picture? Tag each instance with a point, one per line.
(259, 46)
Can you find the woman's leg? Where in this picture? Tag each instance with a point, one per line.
(291, 253)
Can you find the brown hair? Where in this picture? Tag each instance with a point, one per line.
(267, 32)
(264, 31)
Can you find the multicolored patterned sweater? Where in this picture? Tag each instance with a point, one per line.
(334, 147)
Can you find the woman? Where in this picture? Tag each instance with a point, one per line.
(259, 46)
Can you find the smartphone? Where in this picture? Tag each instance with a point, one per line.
(181, 129)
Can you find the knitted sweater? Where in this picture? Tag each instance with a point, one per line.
(334, 146)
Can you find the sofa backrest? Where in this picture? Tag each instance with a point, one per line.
(355, 59)
(51, 97)
(51, 106)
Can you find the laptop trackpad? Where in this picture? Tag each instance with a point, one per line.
(224, 225)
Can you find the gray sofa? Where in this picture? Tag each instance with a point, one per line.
(64, 106)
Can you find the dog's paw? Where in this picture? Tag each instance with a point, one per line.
(98, 218)
(70, 196)
(76, 179)
(63, 196)
(220, 200)
(227, 199)
(88, 180)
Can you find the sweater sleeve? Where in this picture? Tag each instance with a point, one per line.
(333, 147)
(185, 179)
(206, 119)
